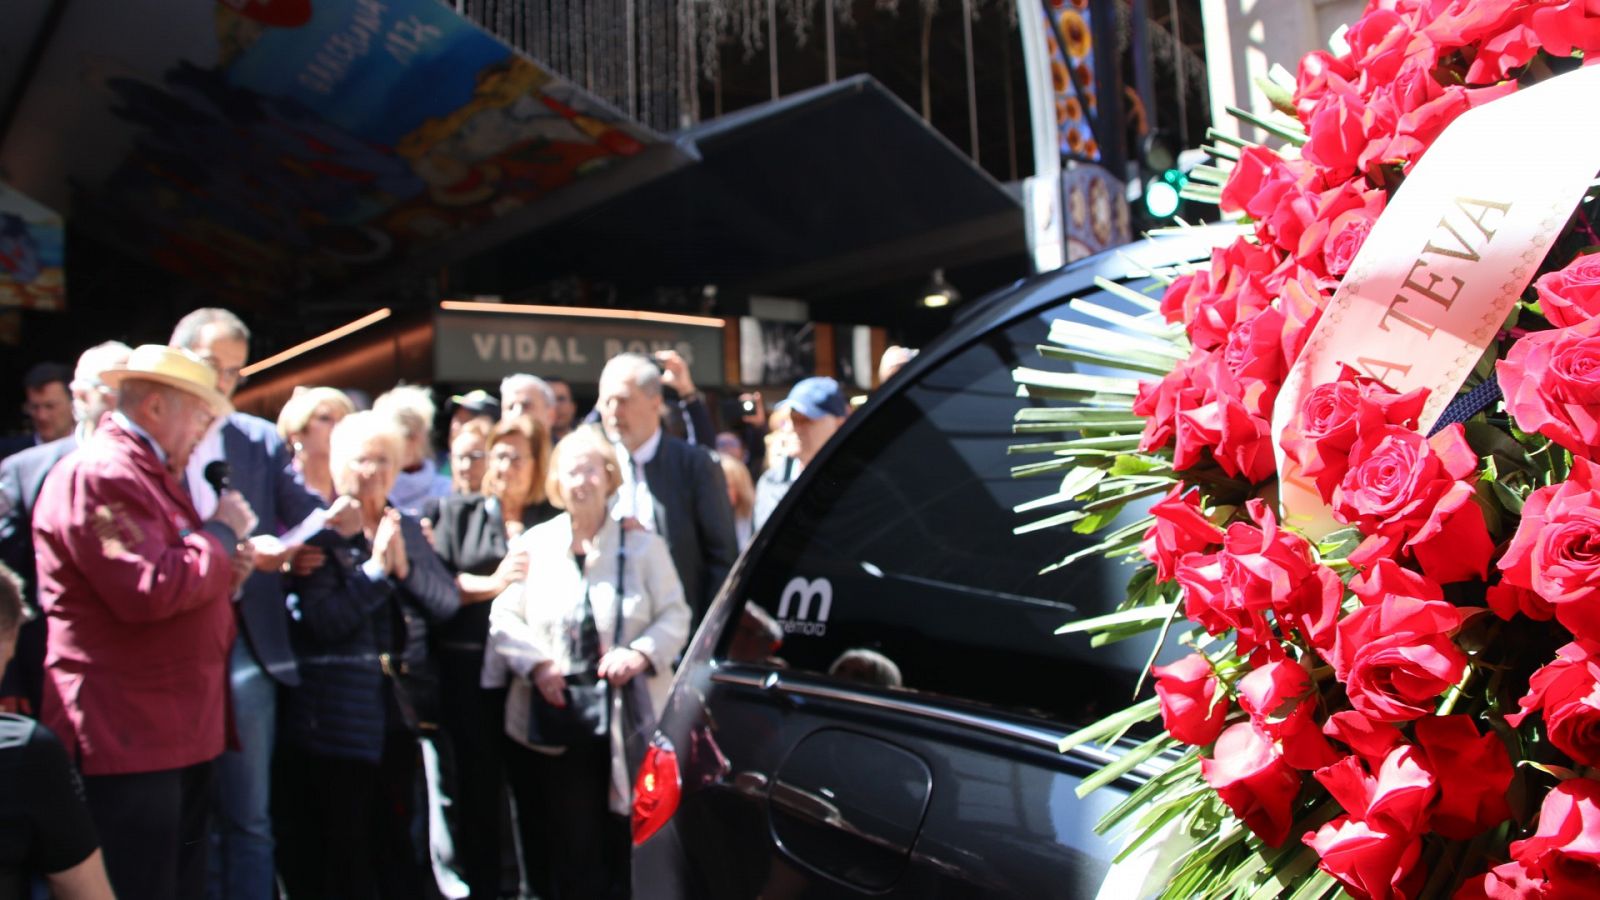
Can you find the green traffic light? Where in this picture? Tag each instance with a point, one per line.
(1160, 198)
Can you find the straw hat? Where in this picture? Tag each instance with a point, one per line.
(174, 367)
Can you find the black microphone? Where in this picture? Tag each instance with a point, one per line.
(216, 475)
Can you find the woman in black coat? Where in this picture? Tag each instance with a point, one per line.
(349, 748)
(470, 533)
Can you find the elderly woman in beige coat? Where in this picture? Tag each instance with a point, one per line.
(572, 800)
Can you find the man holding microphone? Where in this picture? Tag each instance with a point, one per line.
(137, 589)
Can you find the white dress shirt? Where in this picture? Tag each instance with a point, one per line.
(634, 498)
(206, 452)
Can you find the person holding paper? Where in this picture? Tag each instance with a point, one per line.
(260, 468)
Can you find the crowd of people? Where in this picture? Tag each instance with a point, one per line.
(314, 658)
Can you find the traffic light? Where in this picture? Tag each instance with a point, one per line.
(1161, 194)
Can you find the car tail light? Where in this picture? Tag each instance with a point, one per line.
(656, 790)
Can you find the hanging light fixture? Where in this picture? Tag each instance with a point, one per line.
(939, 293)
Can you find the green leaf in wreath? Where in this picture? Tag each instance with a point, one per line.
(1132, 464)
(1339, 544)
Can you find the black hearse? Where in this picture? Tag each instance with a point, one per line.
(872, 705)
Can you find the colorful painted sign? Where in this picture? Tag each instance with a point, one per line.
(1069, 38)
(1097, 213)
(272, 146)
(32, 254)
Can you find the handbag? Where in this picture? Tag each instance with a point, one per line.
(587, 716)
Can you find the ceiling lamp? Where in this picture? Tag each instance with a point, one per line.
(939, 293)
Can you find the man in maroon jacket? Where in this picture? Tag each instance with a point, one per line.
(136, 590)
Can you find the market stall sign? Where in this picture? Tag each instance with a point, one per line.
(483, 347)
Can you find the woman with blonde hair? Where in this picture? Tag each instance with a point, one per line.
(471, 533)
(418, 481)
(590, 636)
(305, 423)
(742, 495)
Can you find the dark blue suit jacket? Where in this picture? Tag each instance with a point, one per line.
(21, 476)
(260, 468)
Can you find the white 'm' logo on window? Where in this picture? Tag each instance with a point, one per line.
(807, 591)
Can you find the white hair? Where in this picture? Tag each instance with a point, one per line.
(521, 381)
(96, 360)
(353, 433)
(636, 367)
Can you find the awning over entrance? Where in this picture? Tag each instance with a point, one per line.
(820, 191)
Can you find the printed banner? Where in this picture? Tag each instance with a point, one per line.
(32, 254)
(1449, 257)
(267, 146)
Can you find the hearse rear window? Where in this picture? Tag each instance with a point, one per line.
(897, 565)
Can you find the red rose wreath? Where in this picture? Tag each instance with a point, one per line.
(1410, 705)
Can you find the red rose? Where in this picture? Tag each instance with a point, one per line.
(1159, 402)
(1181, 528)
(1396, 656)
(1371, 863)
(1370, 740)
(1565, 850)
(1237, 440)
(1456, 23)
(1316, 70)
(1387, 578)
(1276, 697)
(1569, 696)
(1233, 288)
(1551, 380)
(1279, 195)
(1333, 415)
(1193, 704)
(1253, 356)
(1410, 493)
(1380, 42)
(1336, 127)
(1345, 215)
(1572, 295)
(1507, 600)
(1472, 771)
(1250, 776)
(1554, 553)
(1259, 570)
(1396, 799)
(1508, 882)
(1565, 28)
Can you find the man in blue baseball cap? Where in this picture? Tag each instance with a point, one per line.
(816, 408)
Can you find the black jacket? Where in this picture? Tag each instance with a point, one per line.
(260, 469)
(344, 622)
(693, 514)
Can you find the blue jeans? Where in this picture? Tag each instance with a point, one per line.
(242, 861)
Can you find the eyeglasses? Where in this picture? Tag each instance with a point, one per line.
(469, 457)
(506, 459)
(234, 373)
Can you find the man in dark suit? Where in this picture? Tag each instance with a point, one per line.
(21, 476)
(259, 468)
(49, 407)
(668, 485)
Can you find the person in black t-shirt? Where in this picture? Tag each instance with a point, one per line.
(44, 823)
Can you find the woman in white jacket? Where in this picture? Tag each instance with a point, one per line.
(559, 628)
